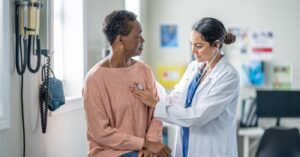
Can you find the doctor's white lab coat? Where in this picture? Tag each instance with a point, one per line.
(211, 118)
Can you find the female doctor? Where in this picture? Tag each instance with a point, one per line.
(204, 102)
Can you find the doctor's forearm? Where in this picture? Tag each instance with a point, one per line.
(178, 115)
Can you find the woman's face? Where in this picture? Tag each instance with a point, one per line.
(201, 49)
(133, 42)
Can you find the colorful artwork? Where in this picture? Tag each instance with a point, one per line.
(168, 76)
(257, 43)
(261, 44)
(242, 39)
(253, 74)
(282, 77)
(168, 36)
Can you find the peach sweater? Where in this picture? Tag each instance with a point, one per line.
(117, 122)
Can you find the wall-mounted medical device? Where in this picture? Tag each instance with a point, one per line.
(28, 49)
(27, 25)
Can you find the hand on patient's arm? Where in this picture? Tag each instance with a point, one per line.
(146, 96)
(157, 148)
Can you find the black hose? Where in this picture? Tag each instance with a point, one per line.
(20, 68)
(22, 111)
(32, 45)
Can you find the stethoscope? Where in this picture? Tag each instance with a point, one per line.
(202, 73)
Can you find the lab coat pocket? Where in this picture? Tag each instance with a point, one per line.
(221, 145)
(202, 140)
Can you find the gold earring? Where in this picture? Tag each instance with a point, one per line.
(122, 48)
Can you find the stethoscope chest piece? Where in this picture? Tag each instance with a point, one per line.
(139, 86)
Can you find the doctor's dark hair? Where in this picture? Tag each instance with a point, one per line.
(212, 30)
(117, 23)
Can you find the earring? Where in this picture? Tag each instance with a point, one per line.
(122, 48)
(217, 50)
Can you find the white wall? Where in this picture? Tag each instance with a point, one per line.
(10, 138)
(97, 10)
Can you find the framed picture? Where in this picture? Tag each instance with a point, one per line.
(169, 75)
(282, 76)
(253, 74)
(168, 36)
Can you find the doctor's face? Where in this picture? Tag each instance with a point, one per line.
(201, 49)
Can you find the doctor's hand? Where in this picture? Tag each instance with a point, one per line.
(145, 95)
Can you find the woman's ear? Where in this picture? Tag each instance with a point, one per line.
(119, 39)
(217, 44)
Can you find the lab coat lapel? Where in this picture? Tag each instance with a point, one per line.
(212, 76)
(203, 85)
(191, 77)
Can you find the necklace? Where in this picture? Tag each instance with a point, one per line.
(110, 66)
(109, 60)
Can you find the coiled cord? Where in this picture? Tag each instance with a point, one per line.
(44, 95)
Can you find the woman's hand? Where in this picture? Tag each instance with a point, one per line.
(154, 149)
(145, 153)
(145, 95)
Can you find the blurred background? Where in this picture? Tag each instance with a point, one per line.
(265, 54)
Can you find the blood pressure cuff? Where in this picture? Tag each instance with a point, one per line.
(57, 96)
